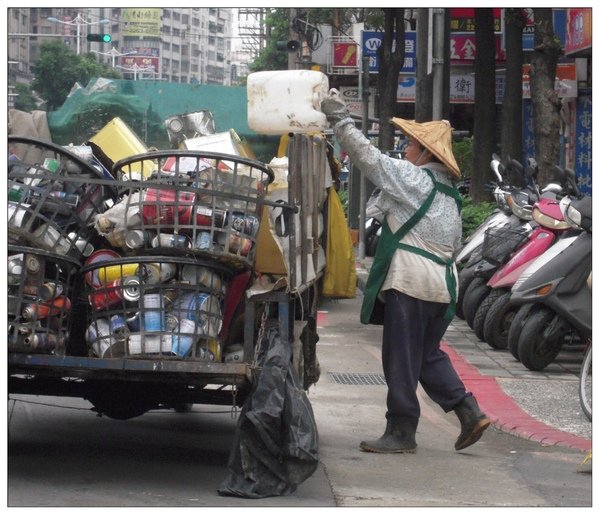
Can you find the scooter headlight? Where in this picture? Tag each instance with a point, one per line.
(523, 212)
(548, 221)
(572, 216)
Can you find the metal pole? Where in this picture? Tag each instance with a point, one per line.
(438, 63)
(78, 34)
(363, 181)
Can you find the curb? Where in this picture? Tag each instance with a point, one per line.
(505, 413)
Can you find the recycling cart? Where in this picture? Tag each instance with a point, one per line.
(150, 285)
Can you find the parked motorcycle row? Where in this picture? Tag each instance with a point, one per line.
(525, 273)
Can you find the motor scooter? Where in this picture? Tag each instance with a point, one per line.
(469, 254)
(555, 294)
(494, 316)
(501, 242)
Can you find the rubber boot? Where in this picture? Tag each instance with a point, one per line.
(399, 437)
(472, 422)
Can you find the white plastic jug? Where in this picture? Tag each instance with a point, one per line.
(280, 102)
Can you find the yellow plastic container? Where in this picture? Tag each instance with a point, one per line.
(117, 141)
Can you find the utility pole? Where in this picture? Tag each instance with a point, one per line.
(438, 63)
(293, 56)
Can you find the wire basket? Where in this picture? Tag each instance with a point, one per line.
(188, 203)
(500, 242)
(143, 306)
(53, 197)
(40, 290)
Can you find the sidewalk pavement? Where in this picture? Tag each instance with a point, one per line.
(539, 406)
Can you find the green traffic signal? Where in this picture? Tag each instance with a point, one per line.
(101, 38)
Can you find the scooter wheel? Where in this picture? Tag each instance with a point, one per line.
(498, 321)
(536, 349)
(516, 326)
(464, 279)
(475, 293)
(585, 383)
(483, 310)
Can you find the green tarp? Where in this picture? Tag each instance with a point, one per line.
(144, 105)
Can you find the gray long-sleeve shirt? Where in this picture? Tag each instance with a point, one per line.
(404, 188)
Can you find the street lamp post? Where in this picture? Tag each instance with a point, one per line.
(113, 53)
(135, 69)
(79, 21)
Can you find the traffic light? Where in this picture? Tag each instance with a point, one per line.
(101, 38)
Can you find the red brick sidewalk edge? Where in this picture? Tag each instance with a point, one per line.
(505, 413)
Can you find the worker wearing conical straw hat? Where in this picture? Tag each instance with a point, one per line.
(412, 285)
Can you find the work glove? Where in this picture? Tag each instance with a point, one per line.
(333, 107)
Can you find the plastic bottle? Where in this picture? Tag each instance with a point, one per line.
(280, 102)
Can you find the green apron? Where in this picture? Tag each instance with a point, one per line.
(372, 308)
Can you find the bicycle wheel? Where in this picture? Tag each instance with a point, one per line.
(585, 384)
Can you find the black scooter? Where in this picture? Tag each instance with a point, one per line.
(554, 294)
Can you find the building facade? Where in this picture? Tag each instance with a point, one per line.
(189, 45)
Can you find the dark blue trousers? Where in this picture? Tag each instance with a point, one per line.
(411, 353)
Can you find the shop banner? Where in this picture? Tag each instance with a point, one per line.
(565, 83)
(579, 30)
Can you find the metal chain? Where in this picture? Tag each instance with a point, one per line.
(261, 332)
(234, 408)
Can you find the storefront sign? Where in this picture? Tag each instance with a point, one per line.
(371, 41)
(565, 83)
(463, 19)
(463, 48)
(579, 30)
(345, 55)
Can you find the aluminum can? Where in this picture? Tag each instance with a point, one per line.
(49, 238)
(134, 323)
(235, 243)
(15, 269)
(46, 309)
(246, 224)
(106, 296)
(209, 350)
(82, 245)
(167, 206)
(156, 273)
(202, 276)
(152, 311)
(19, 215)
(118, 327)
(107, 274)
(203, 240)
(202, 308)
(50, 290)
(207, 217)
(102, 342)
(130, 287)
(42, 341)
(137, 238)
(140, 343)
(184, 336)
(172, 241)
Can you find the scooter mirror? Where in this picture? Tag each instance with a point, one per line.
(496, 168)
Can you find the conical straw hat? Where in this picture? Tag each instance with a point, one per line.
(435, 136)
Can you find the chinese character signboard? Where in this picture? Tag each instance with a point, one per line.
(583, 144)
(558, 24)
(463, 48)
(141, 22)
(142, 62)
(371, 41)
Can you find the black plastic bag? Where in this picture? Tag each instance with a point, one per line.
(276, 445)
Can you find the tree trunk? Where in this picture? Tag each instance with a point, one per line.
(484, 123)
(512, 104)
(424, 86)
(545, 101)
(390, 64)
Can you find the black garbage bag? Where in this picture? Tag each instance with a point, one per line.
(276, 443)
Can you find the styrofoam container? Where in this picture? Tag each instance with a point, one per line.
(280, 102)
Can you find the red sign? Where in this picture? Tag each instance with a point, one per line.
(579, 30)
(345, 55)
(565, 82)
(463, 48)
(140, 62)
(463, 19)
